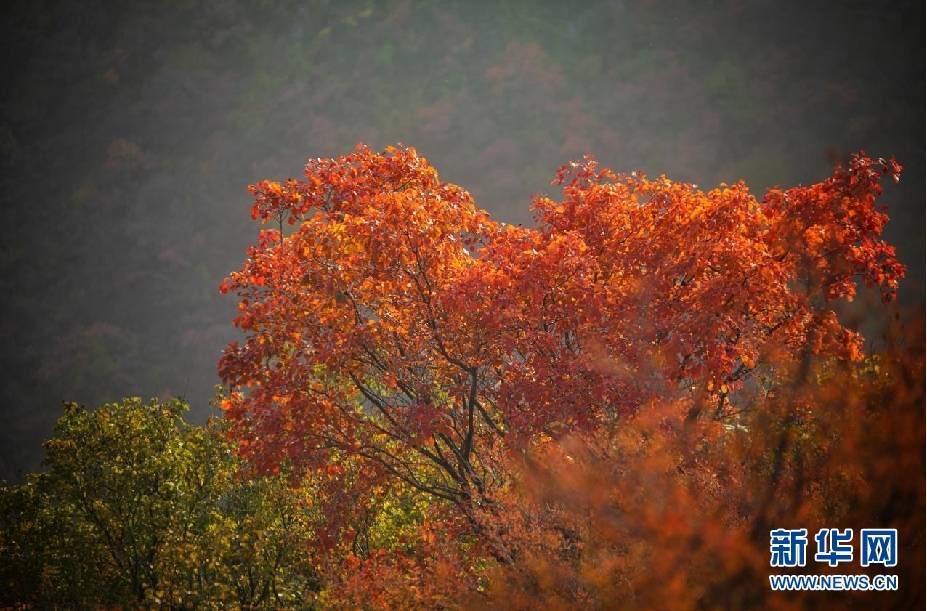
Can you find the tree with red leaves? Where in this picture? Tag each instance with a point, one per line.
(400, 333)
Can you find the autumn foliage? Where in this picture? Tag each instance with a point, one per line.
(609, 405)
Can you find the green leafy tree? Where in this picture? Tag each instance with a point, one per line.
(140, 508)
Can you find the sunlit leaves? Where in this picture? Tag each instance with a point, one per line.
(397, 329)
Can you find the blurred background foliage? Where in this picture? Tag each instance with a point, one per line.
(129, 131)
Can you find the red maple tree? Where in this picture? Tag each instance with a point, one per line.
(399, 327)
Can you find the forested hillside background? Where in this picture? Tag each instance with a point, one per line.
(129, 132)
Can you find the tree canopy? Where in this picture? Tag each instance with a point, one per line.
(398, 325)
(138, 508)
